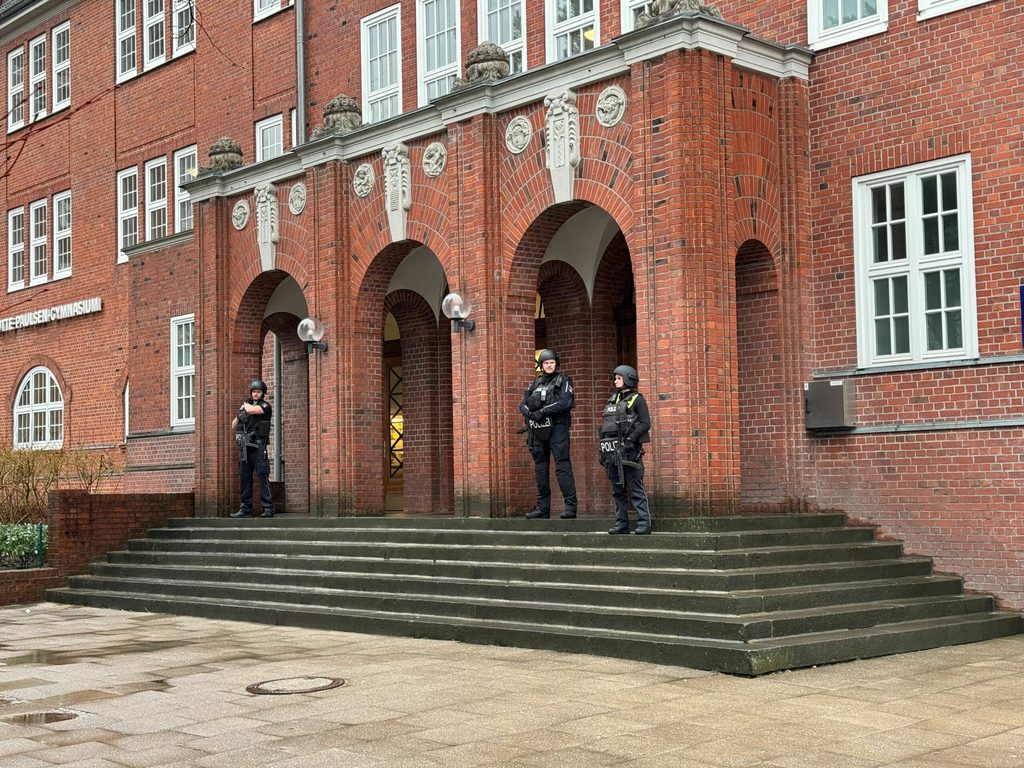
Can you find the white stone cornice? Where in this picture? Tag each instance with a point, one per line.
(685, 32)
(30, 16)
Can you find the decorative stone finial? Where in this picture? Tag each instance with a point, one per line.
(225, 154)
(486, 62)
(341, 115)
(665, 9)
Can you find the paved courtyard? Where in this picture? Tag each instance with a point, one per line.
(159, 690)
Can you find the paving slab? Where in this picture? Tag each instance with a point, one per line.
(151, 690)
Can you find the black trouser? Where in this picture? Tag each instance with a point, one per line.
(255, 462)
(556, 445)
(630, 490)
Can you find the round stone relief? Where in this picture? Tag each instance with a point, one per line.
(364, 179)
(434, 159)
(240, 214)
(297, 199)
(518, 135)
(611, 106)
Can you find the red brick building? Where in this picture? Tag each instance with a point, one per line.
(812, 192)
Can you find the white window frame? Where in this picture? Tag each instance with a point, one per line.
(151, 23)
(62, 220)
(265, 150)
(424, 77)
(52, 416)
(261, 9)
(186, 163)
(156, 199)
(393, 90)
(183, 24)
(929, 9)
(916, 264)
(16, 102)
(294, 126)
(38, 242)
(61, 66)
(15, 250)
(628, 6)
(183, 373)
(127, 39)
(512, 46)
(554, 29)
(126, 403)
(37, 74)
(820, 38)
(126, 214)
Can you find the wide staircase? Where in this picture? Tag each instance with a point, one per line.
(743, 595)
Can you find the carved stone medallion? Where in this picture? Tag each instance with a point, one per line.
(364, 179)
(434, 159)
(518, 135)
(240, 215)
(297, 199)
(611, 106)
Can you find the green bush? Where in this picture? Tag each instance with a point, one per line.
(18, 546)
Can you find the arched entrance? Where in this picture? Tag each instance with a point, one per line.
(760, 375)
(572, 275)
(407, 411)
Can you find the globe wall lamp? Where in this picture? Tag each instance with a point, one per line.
(311, 331)
(457, 309)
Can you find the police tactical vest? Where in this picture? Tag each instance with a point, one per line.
(619, 417)
(544, 394)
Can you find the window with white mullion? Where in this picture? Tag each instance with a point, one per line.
(39, 411)
(127, 211)
(39, 261)
(183, 371)
(269, 138)
(382, 65)
(127, 65)
(502, 22)
(62, 66)
(186, 163)
(261, 8)
(37, 79)
(573, 25)
(15, 89)
(15, 249)
(156, 199)
(154, 35)
(62, 235)
(631, 10)
(913, 245)
(184, 26)
(927, 9)
(831, 22)
(438, 47)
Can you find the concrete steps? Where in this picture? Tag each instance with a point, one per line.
(743, 595)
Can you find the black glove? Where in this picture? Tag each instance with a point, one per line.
(629, 445)
(537, 415)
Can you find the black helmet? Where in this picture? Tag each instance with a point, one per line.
(630, 377)
(258, 384)
(547, 354)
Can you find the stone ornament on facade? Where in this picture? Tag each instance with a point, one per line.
(435, 157)
(486, 63)
(297, 199)
(611, 106)
(397, 188)
(225, 154)
(240, 215)
(562, 132)
(267, 210)
(666, 9)
(364, 179)
(341, 115)
(518, 135)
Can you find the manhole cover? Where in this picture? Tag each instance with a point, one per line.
(39, 718)
(288, 685)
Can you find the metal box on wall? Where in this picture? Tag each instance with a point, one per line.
(830, 404)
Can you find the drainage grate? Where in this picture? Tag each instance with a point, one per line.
(290, 685)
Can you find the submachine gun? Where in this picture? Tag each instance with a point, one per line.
(243, 437)
(613, 445)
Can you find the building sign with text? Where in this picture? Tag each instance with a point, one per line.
(50, 314)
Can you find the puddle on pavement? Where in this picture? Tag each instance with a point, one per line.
(57, 658)
(146, 685)
(39, 718)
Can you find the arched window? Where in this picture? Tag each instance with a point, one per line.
(39, 411)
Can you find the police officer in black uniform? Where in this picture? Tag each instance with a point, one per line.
(625, 427)
(252, 429)
(547, 407)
